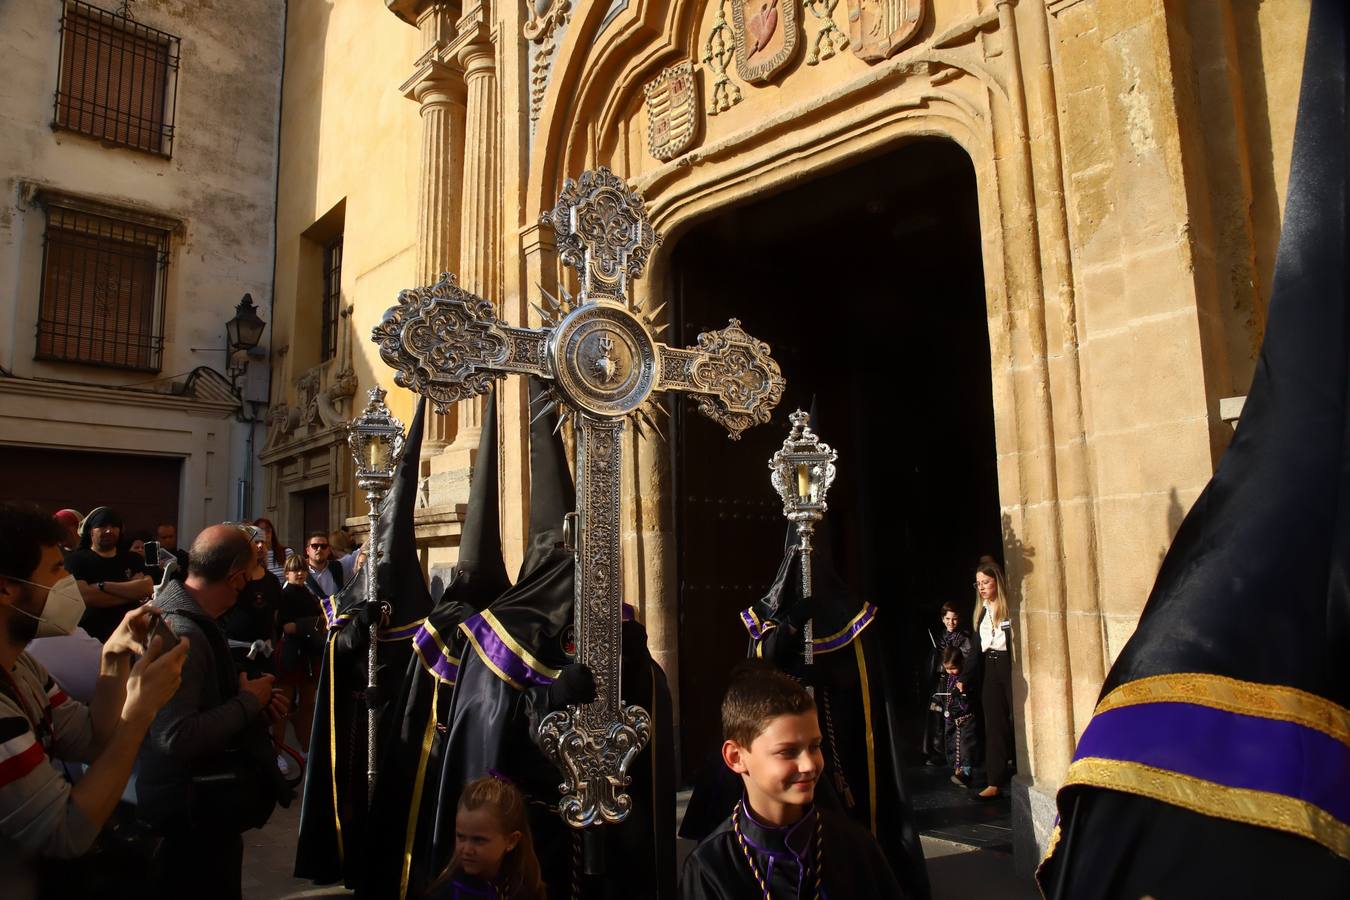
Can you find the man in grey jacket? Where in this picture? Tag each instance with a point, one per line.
(216, 711)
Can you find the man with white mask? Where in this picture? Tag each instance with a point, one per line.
(42, 814)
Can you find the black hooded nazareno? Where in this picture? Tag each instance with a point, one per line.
(1217, 763)
(501, 696)
(412, 744)
(333, 817)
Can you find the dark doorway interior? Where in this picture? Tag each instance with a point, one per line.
(868, 284)
(144, 489)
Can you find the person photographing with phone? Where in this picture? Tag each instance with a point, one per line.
(42, 815)
(208, 771)
(112, 581)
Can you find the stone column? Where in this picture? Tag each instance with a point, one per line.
(438, 88)
(480, 217)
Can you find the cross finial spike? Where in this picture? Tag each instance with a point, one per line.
(603, 233)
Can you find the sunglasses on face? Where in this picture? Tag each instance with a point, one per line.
(318, 546)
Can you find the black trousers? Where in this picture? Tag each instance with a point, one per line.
(201, 863)
(996, 697)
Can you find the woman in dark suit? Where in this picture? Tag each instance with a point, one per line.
(993, 627)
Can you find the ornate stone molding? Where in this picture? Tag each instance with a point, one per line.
(767, 35)
(544, 22)
(829, 40)
(719, 51)
(878, 29)
(672, 111)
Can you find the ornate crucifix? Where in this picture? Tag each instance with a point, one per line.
(604, 367)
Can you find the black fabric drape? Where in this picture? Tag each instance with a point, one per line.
(1255, 586)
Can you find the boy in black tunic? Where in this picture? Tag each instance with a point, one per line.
(777, 843)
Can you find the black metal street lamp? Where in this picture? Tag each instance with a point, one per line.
(245, 330)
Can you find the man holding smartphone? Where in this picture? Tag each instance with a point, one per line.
(111, 581)
(40, 811)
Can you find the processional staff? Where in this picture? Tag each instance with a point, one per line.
(376, 440)
(604, 368)
(802, 472)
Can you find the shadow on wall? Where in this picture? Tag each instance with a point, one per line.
(1018, 564)
(1017, 560)
(1175, 515)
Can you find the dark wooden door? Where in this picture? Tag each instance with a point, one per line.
(313, 512)
(144, 489)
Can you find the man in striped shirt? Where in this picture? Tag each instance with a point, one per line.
(41, 813)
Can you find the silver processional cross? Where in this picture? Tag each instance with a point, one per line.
(604, 367)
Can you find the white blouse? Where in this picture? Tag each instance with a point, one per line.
(992, 637)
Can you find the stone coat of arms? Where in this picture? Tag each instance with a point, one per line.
(766, 34)
(672, 111)
(877, 29)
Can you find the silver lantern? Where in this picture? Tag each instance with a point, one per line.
(802, 472)
(376, 440)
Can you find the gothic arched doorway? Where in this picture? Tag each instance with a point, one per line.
(868, 283)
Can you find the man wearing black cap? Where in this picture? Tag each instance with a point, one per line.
(111, 581)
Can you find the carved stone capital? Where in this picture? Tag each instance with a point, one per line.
(412, 11)
(473, 45)
(434, 81)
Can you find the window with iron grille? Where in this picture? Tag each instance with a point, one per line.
(332, 295)
(118, 79)
(103, 282)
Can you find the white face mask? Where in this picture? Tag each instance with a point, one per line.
(64, 609)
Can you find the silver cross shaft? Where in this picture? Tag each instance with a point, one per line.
(604, 367)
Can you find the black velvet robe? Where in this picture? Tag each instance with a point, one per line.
(493, 724)
(335, 825)
(850, 864)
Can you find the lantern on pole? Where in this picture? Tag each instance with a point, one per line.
(802, 472)
(376, 440)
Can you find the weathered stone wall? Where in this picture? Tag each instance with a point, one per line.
(218, 188)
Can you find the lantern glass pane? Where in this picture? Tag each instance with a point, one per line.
(377, 454)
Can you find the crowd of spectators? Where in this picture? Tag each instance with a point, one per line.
(152, 698)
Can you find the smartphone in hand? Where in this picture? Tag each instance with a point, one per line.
(157, 626)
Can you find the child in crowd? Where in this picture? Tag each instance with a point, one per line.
(957, 716)
(777, 843)
(494, 854)
(303, 630)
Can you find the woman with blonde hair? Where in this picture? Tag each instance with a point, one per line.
(993, 627)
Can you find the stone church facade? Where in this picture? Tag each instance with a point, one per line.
(1128, 161)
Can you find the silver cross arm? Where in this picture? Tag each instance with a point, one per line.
(447, 343)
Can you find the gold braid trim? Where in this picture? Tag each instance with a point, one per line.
(411, 835)
(332, 746)
(871, 741)
(1050, 848)
(1266, 701)
(487, 660)
(1261, 808)
(445, 651)
(517, 647)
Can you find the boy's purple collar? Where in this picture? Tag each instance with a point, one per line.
(774, 838)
